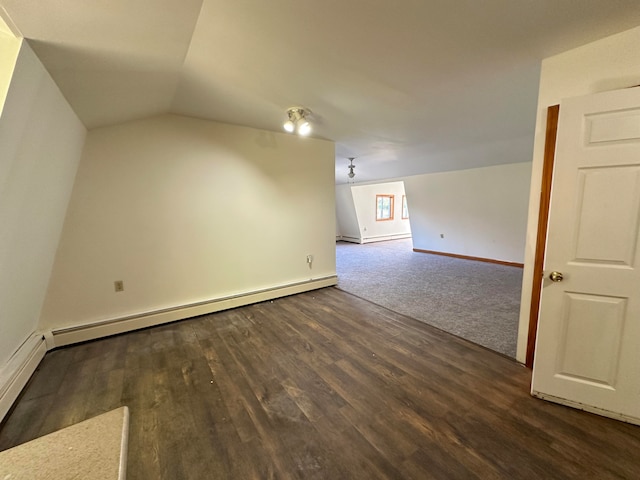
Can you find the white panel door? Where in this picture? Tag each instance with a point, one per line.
(588, 344)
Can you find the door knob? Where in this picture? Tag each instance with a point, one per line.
(556, 276)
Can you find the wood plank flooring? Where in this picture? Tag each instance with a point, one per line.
(322, 385)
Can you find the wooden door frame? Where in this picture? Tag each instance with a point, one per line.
(553, 113)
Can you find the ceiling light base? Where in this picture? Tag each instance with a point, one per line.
(297, 121)
(351, 166)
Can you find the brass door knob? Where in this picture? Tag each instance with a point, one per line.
(556, 276)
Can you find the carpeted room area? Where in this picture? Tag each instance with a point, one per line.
(477, 301)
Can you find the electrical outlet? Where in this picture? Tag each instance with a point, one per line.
(309, 259)
(118, 286)
(442, 235)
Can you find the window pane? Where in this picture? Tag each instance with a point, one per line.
(384, 207)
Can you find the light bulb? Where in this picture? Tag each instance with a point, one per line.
(304, 127)
(289, 126)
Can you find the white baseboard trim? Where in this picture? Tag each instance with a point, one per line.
(91, 331)
(383, 238)
(375, 238)
(18, 370)
(586, 408)
(347, 238)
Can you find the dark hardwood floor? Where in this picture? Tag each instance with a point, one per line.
(322, 385)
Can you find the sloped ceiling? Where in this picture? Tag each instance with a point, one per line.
(4, 28)
(407, 87)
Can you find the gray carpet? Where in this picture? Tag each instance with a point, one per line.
(475, 300)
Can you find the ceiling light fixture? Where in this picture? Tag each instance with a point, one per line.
(297, 121)
(351, 167)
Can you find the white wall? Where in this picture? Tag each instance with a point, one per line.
(9, 49)
(184, 211)
(347, 220)
(364, 201)
(356, 213)
(40, 146)
(481, 212)
(608, 64)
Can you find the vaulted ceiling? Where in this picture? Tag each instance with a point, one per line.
(406, 86)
